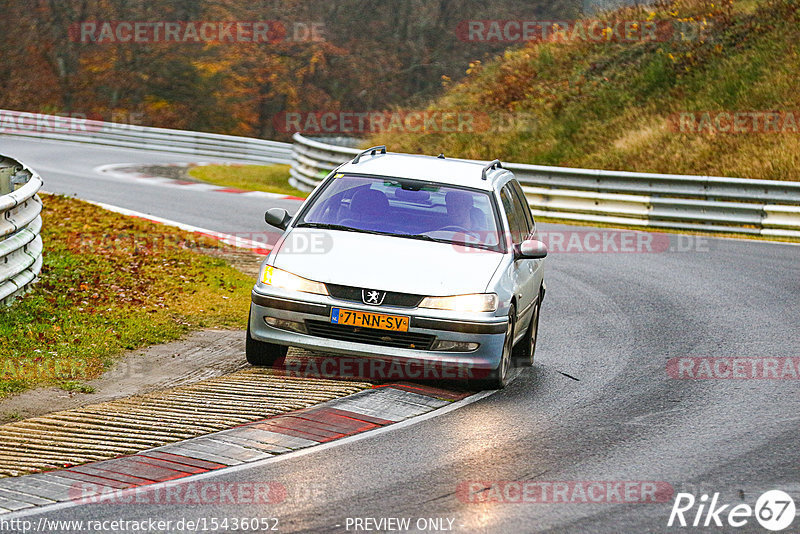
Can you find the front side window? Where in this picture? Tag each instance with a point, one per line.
(405, 208)
(515, 214)
(524, 206)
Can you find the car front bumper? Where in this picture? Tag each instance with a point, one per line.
(486, 330)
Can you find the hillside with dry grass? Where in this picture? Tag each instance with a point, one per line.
(724, 100)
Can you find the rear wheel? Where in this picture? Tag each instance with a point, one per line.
(498, 378)
(260, 353)
(524, 352)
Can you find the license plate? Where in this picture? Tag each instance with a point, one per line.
(369, 320)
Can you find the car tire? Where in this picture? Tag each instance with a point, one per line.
(262, 354)
(524, 352)
(498, 378)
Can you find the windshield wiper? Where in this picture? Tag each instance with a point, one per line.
(328, 226)
(423, 237)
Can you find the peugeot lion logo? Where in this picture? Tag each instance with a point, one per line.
(369, 296)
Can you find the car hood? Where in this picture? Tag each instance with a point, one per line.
(386, 263)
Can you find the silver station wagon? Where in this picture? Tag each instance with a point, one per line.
(418, 259)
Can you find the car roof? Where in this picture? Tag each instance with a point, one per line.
(417, 167)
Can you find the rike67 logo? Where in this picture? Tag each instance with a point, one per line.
(774, 510)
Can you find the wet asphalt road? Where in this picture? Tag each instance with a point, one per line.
(599, 405)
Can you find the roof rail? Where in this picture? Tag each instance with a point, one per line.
(496, 164)
(372, 152)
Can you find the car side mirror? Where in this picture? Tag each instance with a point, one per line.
(278, 217)
(532, 249)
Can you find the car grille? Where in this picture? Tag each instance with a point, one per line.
(353, 294)
(371, 336)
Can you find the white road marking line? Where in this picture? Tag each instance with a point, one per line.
(113, 171)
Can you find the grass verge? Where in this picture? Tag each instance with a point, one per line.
(268, 178)
(112, 283)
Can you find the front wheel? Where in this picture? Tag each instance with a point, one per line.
(525, 350)
(499, 377)
(260, 353)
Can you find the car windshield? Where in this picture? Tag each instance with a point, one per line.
(406, 208)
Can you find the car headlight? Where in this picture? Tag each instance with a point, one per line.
(272, 276)
(479, 302)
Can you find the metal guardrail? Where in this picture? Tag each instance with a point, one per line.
(668, 201)
(20, 224)
(312, 160)
(59, 128)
